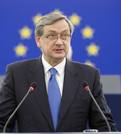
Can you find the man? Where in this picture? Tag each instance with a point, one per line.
(75, 106)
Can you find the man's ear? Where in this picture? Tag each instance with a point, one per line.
(38, 41)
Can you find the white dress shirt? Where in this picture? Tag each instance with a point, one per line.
(59, 76)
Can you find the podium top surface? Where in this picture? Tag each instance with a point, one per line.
(68, 133)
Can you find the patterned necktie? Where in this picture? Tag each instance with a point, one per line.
(54, 96)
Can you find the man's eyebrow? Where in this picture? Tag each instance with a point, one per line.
(53, 31)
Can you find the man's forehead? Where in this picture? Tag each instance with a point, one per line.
(60, 25)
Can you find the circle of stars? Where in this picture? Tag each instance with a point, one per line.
(87, 32)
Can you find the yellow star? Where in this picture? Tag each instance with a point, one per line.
(75, 19)
(36, 18)
(25, 32)
(87, 32)
(93, 49)
(88, 62)
(20, 50)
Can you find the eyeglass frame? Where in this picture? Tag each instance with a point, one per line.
(54, 36)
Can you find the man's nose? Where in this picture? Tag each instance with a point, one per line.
(59, 40)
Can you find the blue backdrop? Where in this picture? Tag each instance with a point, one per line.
(96, 39)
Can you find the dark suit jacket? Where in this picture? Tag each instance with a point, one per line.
(77, 107)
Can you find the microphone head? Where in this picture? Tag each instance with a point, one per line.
(85, 85)
(33, 85)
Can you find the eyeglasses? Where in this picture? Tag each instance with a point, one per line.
(55, 36)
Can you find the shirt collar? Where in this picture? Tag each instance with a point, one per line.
(60, 67)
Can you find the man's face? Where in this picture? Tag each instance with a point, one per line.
(55, 41)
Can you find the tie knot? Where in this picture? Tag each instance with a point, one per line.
(53, 71)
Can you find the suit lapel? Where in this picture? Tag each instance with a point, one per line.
(40, 95)
(69, 90)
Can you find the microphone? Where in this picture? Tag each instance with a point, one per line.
(32, 87)
(86, 87)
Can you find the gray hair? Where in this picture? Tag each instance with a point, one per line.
(49, 19)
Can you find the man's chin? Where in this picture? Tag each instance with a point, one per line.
(59, 56)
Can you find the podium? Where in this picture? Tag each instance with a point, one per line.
(68, 133)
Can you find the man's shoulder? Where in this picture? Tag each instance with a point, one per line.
(82, 66)
(23, 63)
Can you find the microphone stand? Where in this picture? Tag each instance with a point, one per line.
(11, 116)
(109, 128)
